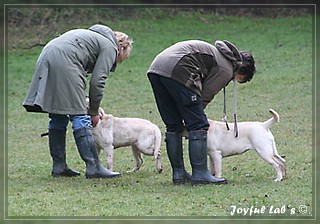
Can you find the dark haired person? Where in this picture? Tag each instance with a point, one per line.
(185, 77)
(59, 85)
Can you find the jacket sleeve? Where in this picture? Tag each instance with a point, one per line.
(213, 84)
(103, 65)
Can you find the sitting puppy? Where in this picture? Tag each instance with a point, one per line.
(252, 135)
(142, 135)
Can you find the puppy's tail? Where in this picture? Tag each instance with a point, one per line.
(275, 118)
(157, 150)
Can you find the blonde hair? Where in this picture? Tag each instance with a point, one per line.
(125, 44)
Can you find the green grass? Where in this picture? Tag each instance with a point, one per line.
(283, 82)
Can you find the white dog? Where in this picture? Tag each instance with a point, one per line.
(252, 135)
(142, 135)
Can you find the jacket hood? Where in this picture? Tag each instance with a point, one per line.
(229, 51)
(109, 34)
(105, 31)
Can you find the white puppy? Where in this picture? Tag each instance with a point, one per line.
(142, 135)
(252, 135)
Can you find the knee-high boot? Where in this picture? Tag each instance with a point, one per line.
(57, 146)
(175, 154)
(87, 150)
(198, 159)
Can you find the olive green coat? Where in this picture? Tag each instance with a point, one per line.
(60, 78)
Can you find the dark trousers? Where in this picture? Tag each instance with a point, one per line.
(177, 105)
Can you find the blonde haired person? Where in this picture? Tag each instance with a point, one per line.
(125, 45)
(59, 85)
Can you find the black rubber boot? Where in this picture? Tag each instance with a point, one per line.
(87, 150)
(175, 154)
(198, 160)
(57, 146)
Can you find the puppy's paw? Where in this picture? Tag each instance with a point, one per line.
(133, 170)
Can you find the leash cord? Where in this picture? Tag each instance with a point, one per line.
(236, 133)
(44, 134)
(225, 108)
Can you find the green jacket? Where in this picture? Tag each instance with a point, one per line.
(60, 78)
(203, 68)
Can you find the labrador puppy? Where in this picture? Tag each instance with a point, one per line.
(143, 136)
(252, 135)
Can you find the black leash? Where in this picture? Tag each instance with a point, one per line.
(225, 108)
(44, 134)
(236, 132)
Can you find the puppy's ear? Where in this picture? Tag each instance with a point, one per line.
(107, 120)
(101, 112)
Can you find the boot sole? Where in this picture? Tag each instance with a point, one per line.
(65, 174)
(200, 182)
(99, 176)
(181, 182)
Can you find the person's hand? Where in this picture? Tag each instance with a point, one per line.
(95, 120)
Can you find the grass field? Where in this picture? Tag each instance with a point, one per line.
(283, 52)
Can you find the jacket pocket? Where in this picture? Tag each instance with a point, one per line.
(195, 81)
(189, 98)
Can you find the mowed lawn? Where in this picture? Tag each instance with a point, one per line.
(282, 48)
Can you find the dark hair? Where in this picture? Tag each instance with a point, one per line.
(247, 67)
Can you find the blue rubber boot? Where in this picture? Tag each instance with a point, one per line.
(87, 150)
(175, 154)
(57, 146)
(198, 159)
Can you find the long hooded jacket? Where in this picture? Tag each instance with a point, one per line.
(203, 68)
(60, 78)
